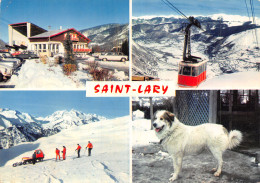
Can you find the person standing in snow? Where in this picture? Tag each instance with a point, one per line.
(64, 153)
(78, 149)
(90, 147)
(34, 157)
(57, 153)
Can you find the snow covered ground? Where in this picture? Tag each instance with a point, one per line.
(142, 133)
(239, 80)
(110, 160)
(36, 75)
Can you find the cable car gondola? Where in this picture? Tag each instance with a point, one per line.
(192, 70)
(191, 74)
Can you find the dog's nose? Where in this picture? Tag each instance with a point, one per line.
(154, 125)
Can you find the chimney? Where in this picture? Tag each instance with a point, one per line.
(60, 27)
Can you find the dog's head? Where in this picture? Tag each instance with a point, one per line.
(162, 121)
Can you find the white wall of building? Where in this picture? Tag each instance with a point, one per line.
(16, 37)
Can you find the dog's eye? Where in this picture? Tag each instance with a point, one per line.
(161, 118)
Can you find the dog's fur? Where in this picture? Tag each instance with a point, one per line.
(179, 139)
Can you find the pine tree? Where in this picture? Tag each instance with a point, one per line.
(125, 47)
(70, 61)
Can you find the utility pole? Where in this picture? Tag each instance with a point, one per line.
(151, 111)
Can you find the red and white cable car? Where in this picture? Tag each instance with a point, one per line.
(191, 74)
(192, 71)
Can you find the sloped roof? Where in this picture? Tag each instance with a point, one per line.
(58, 32)
(47, 34)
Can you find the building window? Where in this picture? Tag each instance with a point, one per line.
(44, 47)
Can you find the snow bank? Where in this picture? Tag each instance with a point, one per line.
(120, 75)
(109, 161)
(39, 75)
(142, 133)
(138, 114)
(240, 80)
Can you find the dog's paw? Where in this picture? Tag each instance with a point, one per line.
(173, 178)
(217, 174)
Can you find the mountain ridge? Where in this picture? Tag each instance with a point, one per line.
(107, 36)
(17, 127)
(221, 41)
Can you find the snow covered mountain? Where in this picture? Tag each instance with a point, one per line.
(227, 41)
(65, 119)
(109, 162)
(17, 127)
(108, 35)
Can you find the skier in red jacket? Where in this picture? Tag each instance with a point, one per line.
(90, 147)
(57, 153)
(78, 149)
(64, 153)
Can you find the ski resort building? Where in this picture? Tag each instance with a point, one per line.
(34, 38)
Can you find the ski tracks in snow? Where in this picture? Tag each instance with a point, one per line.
(50, 178)
(103, 167)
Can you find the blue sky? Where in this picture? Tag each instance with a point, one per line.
(78, 14)
(194, 7)
(43, 103)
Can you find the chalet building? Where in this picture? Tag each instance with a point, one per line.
(46, 42)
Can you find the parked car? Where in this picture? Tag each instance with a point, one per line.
(27, 55)
(115, 56)
(6, 70)
(4, 58)
(9, 55)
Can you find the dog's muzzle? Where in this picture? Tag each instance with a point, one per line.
(157, 129)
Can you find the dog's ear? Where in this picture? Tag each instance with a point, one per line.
(169, 117)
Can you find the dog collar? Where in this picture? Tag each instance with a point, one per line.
(161, 141)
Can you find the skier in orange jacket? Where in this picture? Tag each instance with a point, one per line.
(78, 149)
(64, 153)
(90, 147)
(57, 153)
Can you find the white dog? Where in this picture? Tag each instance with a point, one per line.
(179, 139)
